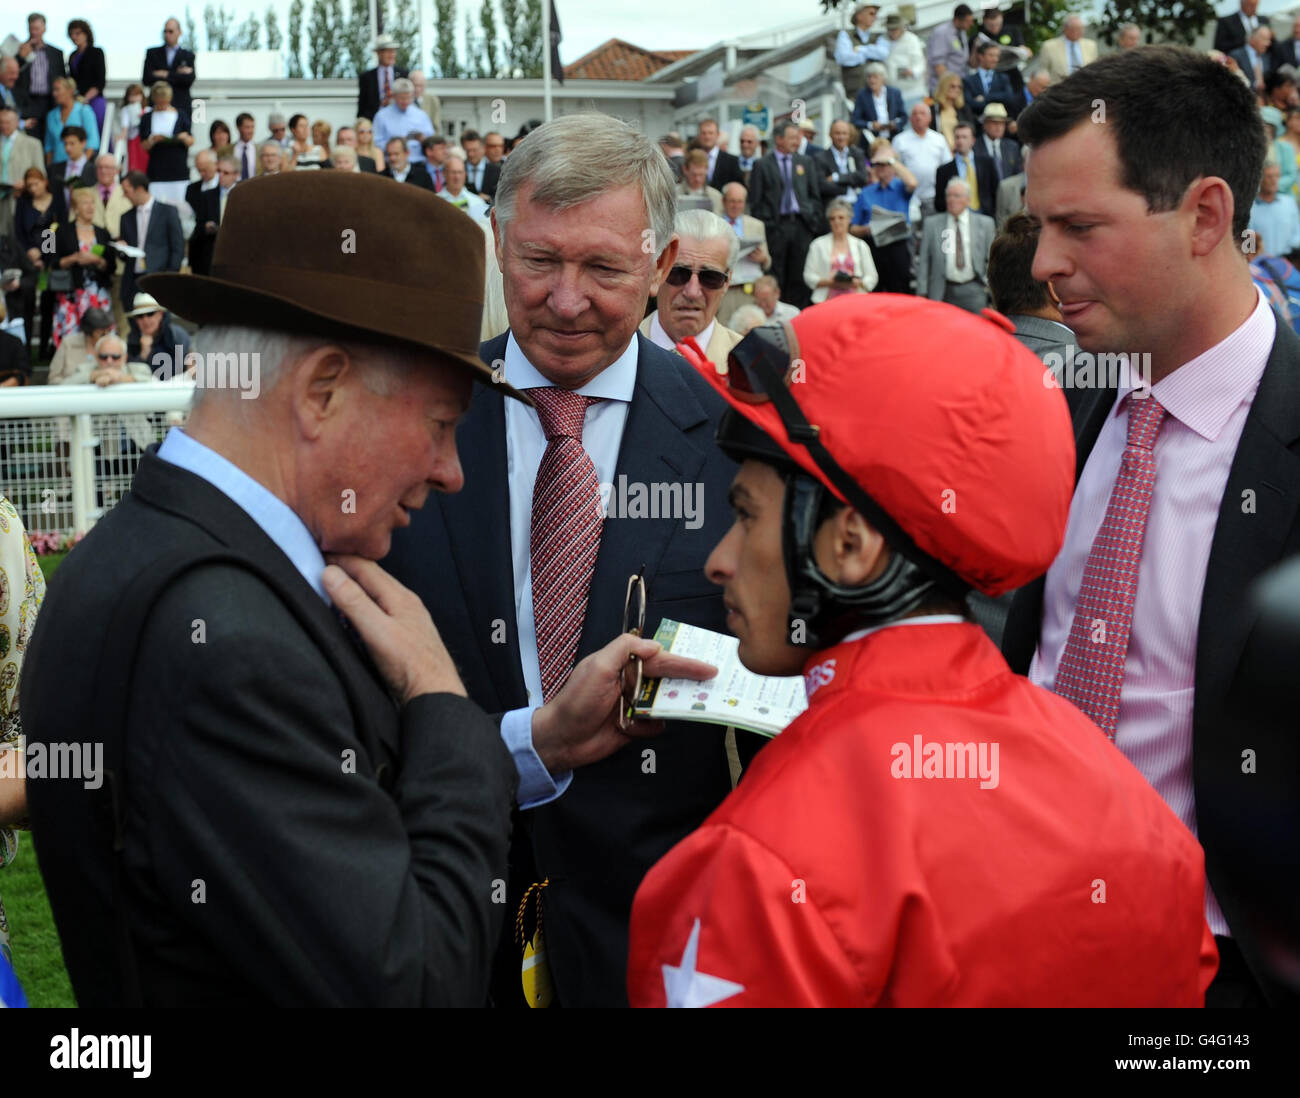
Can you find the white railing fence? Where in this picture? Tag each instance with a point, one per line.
(69, 452)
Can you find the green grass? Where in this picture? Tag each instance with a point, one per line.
(38, 960)
(51, 561)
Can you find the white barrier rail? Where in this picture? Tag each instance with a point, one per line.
(69, 452)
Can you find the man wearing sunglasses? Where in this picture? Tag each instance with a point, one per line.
(689, 297)
(933, 829)
(108, 366)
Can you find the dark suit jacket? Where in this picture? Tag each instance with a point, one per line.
(864, 113)
(368, 91)
(597, 841)
(65, 243)
(986, 175)
(163, 250)
(1013, 159)
(1267, 61)
(418, 176)
(1000, 91)
(491, 176)
(156, 58)
(23, 85)
(344, 847)
(85, 178)
(367, 165)
(1247, 541)
(207, 208)
(90, 70)
(827, 167)
(168, 162)
(766, 187)
(1284, 53)
(726, 170)
(1230, 32)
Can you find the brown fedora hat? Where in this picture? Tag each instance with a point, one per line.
(355, 255)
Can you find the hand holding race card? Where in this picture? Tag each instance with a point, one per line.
(734, 696)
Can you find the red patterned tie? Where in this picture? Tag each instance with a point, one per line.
(565, 537)
(1091, 673)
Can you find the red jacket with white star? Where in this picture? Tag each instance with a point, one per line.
(838, 874)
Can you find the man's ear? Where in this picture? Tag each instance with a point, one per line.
(849, 550)
(664, 264)
(318, 386)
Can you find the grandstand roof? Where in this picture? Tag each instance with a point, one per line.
(616, 59)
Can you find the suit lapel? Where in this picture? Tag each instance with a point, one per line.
(654, 450)
(477, 520)
(1258, 513)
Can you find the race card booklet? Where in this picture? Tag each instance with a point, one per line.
(734, 696)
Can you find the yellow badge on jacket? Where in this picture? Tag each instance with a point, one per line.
(536, 973)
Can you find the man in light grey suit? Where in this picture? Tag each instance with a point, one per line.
(18, 152)
(1011, 197)
(953, 264)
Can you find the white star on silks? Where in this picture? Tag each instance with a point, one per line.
(686, 987)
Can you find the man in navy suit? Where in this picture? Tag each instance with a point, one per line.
(878, 110)
(171, 63)
(998, 145)
(617, 420)
(163, 241)
(1232, 31)
(986, 85)
(968, 158)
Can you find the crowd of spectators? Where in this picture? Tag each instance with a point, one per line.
(918, 116)
(79, 201)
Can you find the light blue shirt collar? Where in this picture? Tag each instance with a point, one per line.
(276, 518)
(615, 382)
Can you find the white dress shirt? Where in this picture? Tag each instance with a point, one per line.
(660, 338)
(1207, 400)
(602, 435)
(142, 215)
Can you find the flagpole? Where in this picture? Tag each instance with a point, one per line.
(546, 60)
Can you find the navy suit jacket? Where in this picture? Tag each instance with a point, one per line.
(864, 113)
(155, 60)
(1000, 91)
(596, 841)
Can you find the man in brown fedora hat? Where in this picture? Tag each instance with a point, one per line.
(289, 810)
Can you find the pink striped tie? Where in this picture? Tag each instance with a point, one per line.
(565, 538)
(1091, 674)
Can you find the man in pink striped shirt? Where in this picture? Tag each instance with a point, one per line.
(1144, 168)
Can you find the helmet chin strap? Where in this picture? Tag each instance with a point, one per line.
(823, 612)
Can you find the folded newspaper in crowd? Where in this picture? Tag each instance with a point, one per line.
(887, 226)
(734, 696)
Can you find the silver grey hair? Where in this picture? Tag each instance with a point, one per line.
(385, 368)
(1134, 27)
(875, 67)
(579, 157)
(956, 181)
(745, 318)
(109, 337)
(705, 225)
(839, 204)
(401, 85)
